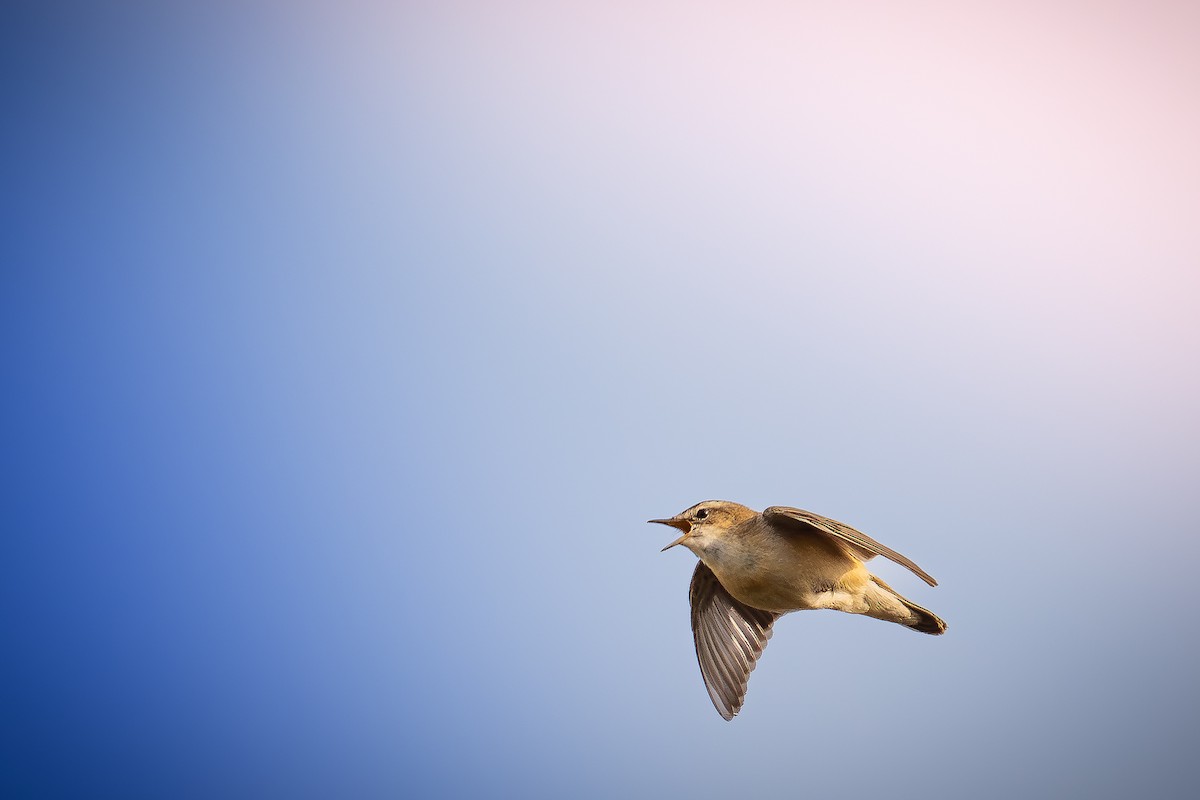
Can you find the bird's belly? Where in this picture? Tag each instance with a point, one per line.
(790, 584)
(772, 597)
(769, 590)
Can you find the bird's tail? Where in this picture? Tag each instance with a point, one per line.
(896, 608)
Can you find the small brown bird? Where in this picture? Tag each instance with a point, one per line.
(754, 568)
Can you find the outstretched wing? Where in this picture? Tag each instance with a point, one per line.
(730, 636)
(785, 515)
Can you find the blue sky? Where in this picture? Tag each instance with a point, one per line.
(348, 350)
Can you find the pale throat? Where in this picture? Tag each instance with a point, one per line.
(728, 555)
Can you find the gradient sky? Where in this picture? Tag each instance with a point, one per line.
(348, 346)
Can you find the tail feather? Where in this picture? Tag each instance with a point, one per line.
(919, 619)
(926, 621)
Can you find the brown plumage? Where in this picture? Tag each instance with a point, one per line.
(756, 567)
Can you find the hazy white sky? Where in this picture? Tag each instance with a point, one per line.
(353, 346)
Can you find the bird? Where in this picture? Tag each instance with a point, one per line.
(755, 567)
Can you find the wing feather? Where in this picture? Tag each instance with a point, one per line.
(730, 636)
(844, 533)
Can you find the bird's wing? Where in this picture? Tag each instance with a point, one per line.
(844, 533)
(730, 636)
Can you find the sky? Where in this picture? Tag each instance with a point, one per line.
(348, 347)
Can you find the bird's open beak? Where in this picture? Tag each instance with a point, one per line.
(674, 522)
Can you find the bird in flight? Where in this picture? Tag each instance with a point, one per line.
(755, 567)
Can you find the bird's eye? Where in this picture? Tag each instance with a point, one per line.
(702, 513)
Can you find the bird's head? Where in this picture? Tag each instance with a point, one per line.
(706, 523)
